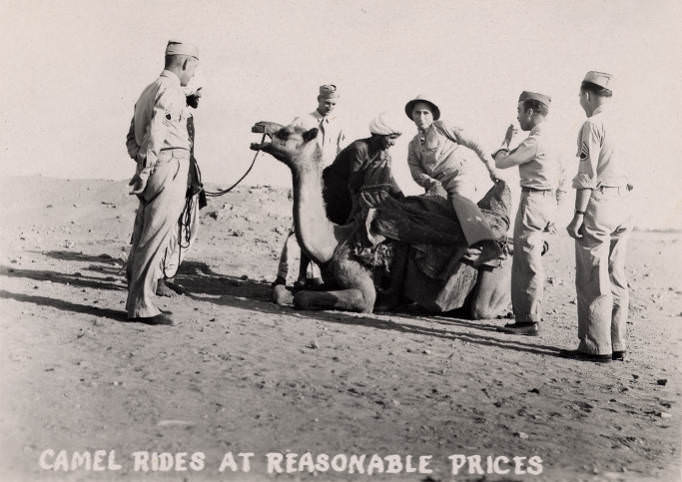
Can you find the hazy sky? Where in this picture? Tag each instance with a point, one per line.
(74, 70)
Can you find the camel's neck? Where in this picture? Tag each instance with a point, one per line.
(314, 231)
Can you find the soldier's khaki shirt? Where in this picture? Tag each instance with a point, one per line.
(598, 164)
(538, 166)
(160, 119)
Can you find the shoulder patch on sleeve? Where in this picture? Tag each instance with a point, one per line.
(584, 151)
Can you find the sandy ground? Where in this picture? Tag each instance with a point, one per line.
(240, 374)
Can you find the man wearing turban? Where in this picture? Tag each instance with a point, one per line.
(360, 177)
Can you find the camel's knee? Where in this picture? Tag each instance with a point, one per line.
(281, 295)
(363, 297)
(369, 299)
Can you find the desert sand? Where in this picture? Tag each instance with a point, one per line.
(240, 374)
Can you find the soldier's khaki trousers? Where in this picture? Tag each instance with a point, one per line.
(182, 237)
(162, 202)
(601, 284)
(536, 211)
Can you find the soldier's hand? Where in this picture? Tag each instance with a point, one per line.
(137, 185)
(575, 227)
(509, 135)
(472, 254)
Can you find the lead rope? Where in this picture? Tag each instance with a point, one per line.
(225, 191)
(186, 216)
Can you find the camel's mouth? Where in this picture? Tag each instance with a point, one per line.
(259, 146)
(268, 129)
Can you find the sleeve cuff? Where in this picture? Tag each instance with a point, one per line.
(501, 149)
(583, 181)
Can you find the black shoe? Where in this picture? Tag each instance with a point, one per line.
(579, 355)
(618, 355)
(529, 329)
(160, 319)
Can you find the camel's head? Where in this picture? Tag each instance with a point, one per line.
(293, 145)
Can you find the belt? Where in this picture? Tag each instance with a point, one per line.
(532, 189)
(627, 187)
(174, 149)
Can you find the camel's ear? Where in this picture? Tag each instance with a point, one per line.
(310, 134)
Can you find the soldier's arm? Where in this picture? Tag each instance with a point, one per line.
(588, 153)
(167, 109)
(131, 143)
(586, 179)
(521, 154)
(469, 141)
(562, 182)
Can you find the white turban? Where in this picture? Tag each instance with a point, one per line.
(383, 125)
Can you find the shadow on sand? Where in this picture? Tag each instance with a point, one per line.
(198, 279)
(79, 256)
(201, 283)
(116, 315)
(77, 279)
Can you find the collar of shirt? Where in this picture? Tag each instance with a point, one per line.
(170, 75)
(429, 131)
(597, 111)
(536, 130)
(320, 118)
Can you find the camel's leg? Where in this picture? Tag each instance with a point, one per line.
(303, 267)
(351, 299)
(359, 297)
(492, 293)
(281, 295)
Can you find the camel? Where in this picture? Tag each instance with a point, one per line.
(324, 241)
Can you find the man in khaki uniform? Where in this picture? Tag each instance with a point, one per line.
(539, 173)
(160, 181)
(601, 227)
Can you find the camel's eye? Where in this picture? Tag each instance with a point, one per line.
(282, 134)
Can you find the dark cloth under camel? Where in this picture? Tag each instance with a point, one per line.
(430, 226)
(437, 276)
